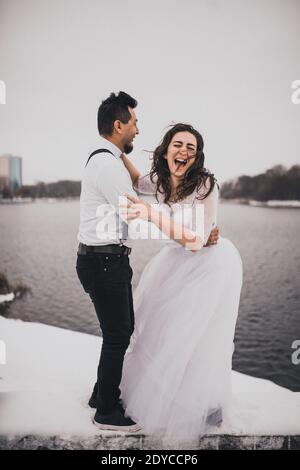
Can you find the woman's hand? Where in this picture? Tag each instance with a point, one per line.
(132, 170)
(135, 208)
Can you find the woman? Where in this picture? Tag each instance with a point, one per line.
(177, 371)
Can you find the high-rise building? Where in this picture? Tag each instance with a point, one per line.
(4, 172)
(10, 172)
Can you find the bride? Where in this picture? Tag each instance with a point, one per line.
(176, 378)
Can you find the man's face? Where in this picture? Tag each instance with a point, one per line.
(130, 130)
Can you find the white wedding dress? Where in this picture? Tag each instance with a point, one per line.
(177, 369)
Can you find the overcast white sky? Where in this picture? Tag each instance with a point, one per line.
(225, 66)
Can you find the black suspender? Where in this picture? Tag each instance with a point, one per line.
(124, 225)
(98, 151)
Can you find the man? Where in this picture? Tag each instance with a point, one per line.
(103, 260)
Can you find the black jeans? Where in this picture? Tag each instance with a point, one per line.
(107, 280)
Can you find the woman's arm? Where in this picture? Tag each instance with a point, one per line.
(174, 230)
(132, 170)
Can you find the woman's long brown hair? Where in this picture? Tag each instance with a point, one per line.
(195, 177)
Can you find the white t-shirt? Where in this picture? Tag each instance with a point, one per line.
(105, 178)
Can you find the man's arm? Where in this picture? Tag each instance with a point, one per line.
(113, 181)
(213, 237)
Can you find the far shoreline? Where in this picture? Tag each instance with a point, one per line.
(29, 200)
(273, 204)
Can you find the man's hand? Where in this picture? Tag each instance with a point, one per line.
(135, 208)
(213, 237)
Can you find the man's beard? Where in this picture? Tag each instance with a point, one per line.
(128, 148)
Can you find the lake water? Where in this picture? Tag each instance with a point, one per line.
(38, 247)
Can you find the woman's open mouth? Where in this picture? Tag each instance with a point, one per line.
(180, 161)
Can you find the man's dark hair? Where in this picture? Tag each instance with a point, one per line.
(114, 108)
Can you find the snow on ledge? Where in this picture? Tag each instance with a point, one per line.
(49, 374)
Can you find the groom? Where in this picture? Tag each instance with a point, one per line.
(103, 264)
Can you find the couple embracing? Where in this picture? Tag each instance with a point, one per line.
(166, 356)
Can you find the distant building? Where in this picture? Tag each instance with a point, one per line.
(10, 172)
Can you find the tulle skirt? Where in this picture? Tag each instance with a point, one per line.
(177, 369)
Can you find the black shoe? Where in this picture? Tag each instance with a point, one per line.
(93, 403)
(115, 421)
(215, 417)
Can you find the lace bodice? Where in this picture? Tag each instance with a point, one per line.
(192, 206)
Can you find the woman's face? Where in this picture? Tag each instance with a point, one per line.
(181, 153)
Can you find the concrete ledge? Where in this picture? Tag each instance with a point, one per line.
(142, 442)
(46, 383)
